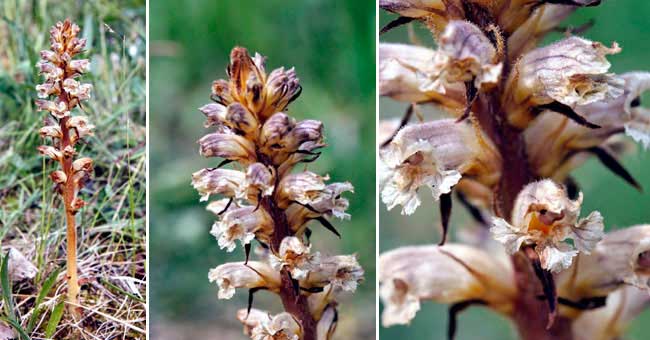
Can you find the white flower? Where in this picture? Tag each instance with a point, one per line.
(446, 274)
(572, 71)
(296, 257)
(404, 70)
(225, 182)
(432, 154)
(612, 320)
(465, 54)
(544, 216)
(230, 276)
(638, 125)
(343, 272)
(242, 224)
(621, 257)
(261, 325)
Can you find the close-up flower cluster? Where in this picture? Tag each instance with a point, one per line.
(262, 196)
(60, 93)
(522, 118)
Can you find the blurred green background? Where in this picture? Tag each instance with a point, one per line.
(624, 21)
(332, 46)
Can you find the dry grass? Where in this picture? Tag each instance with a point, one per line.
(111, 228)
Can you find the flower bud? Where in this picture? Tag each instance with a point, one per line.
(58, 177)
(230, 276)
(544, 216)
(282, 87)
(259, 180)
(215, 114)
(241, 120)
(445, 274)
(221, 90)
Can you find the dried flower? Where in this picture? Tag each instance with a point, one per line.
(265, 200)
(60, 71)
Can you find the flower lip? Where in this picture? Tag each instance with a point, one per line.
(544, 216)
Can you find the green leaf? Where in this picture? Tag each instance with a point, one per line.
(17, 327)
(6, 288)
(45, 290)
(55, 318)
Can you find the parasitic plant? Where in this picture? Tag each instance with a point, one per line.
(262, 198)
(522, 117)
(60, 94)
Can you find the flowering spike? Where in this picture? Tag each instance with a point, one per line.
(60, 72)
(265, 200)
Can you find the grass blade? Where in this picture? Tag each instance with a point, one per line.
(17, 327)
(6, 288)
(45, 290)
(55, 318)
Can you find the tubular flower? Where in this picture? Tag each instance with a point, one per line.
(404, 71)
(566, 142)
(59, 95)
(451, 273)
(263, 199)
(572, 72)
(434, 154)
(525, 117)
(610, 321)
(261, 325)
(465, 55)
(234, 275)
(544, 216)
(621, 258)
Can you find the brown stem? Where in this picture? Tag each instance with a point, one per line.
(294, 303)
(530, 312)
(71, 230)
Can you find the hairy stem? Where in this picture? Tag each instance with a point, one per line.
(71, 230)
(530, 312)
(294, 303)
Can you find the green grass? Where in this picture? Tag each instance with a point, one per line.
(111, 227)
